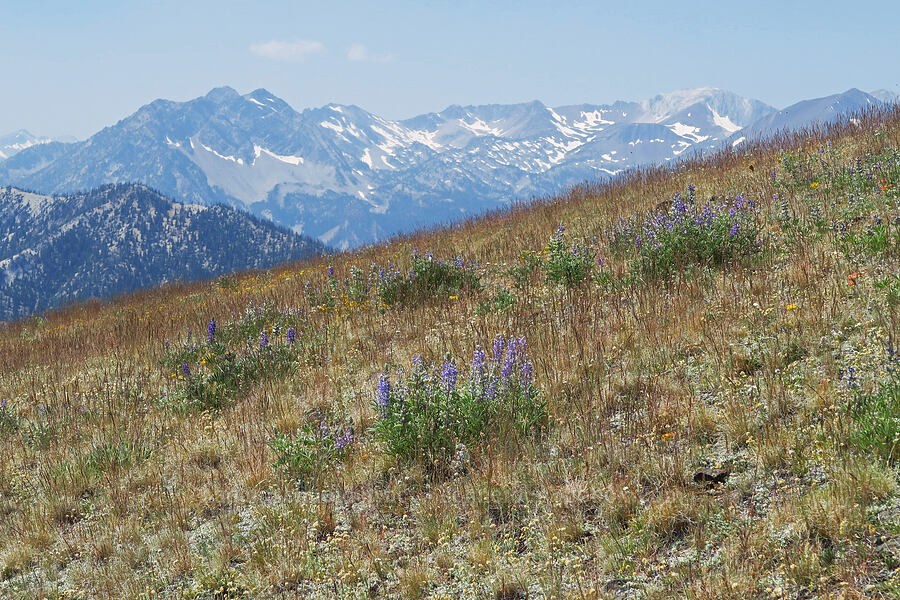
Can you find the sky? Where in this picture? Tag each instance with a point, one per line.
(72, 68)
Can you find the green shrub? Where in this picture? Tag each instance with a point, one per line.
(567, 265)
(502, 301)
(210, 374)
(877, 416)
(714, 233)
(428, 278)
(9, 421)
(879, 238)
(427, 414)
(311, 449)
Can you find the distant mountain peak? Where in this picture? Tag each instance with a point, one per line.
(886, 96)
(14, 142)
(222, 94)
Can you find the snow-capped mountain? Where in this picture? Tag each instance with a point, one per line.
(13, 143)
(886, 96)
(119, 238)
(348, 177)
(806, 113)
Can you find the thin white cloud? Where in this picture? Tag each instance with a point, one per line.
(358, 52)
(290, 51)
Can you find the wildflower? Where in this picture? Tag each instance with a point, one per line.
(211, 331)
(291, 335)
(509, 363)
(478, 359)
(852, 277)
(499, 346)
(449, 373)
(185, 370)
(668, 435)
(791, 307)
(527, 373)
(330, 270)
(344, 440)
(852, 379)
(814, 184)
(264, 341)
(454, 297)
(734, 230)
(383, 395)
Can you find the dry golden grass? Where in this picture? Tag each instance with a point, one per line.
(111, 489)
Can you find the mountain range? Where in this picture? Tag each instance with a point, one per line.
(348, 177)
(13, 143)
(119, 238)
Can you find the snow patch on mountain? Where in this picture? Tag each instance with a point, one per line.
(723, 121)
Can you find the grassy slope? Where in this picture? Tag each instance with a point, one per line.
(113, 484)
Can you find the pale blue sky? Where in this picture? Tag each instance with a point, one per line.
(74, 67)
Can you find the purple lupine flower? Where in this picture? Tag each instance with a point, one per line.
(211, 331)
(449, 373)
(417, 362)
(892, 354)
(330, 270)
(383, 394)
(344, 440)
(291, 336)
(508, 367)
(852, 379)
(264, 341)
(499, 347)
(691, 189)
(185, 370)
(527, 373)
(478, 359)
(734, 230)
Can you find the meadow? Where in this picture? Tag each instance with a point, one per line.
(681, 383)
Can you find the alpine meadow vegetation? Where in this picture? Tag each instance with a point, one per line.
(680, 383)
